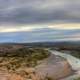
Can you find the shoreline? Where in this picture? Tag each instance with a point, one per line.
(75, 74)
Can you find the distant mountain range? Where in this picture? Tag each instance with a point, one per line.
(45, 44)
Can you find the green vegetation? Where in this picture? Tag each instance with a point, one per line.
(23, 57)
(76, 54)
(77, 78)
(73, 50)
(48, 78)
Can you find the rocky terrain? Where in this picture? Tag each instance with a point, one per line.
(25, 63)
(54, 67)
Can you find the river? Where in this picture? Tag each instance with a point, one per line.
(73, 61)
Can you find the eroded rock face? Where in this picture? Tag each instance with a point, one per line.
(3, 75)
(26, 74)
(7, 76)
(15, 77)
(54, 69)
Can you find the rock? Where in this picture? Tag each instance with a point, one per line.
(15, 77)
(3, 75)
(54, 69)
(10, 76)
(30, 70)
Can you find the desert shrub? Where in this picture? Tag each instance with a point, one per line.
(77, 78)
(28, 57)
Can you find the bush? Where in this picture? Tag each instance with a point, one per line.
(77, 78)
(28, 57)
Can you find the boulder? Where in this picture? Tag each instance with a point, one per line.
(54, 69)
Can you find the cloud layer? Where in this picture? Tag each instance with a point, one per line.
(36, 20)
(43, 34)
(39, 11)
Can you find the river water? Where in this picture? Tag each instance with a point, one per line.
(73, 61)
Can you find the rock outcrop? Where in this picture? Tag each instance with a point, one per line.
(54, 68)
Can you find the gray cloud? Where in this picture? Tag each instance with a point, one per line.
(39, 11)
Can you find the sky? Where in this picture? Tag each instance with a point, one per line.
(39, 20)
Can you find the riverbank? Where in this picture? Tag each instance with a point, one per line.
(54, 67)
(53, 64)
(50, 66)
(73, 61)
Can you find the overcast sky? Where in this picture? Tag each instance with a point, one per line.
(39, 11)
(39, 20)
